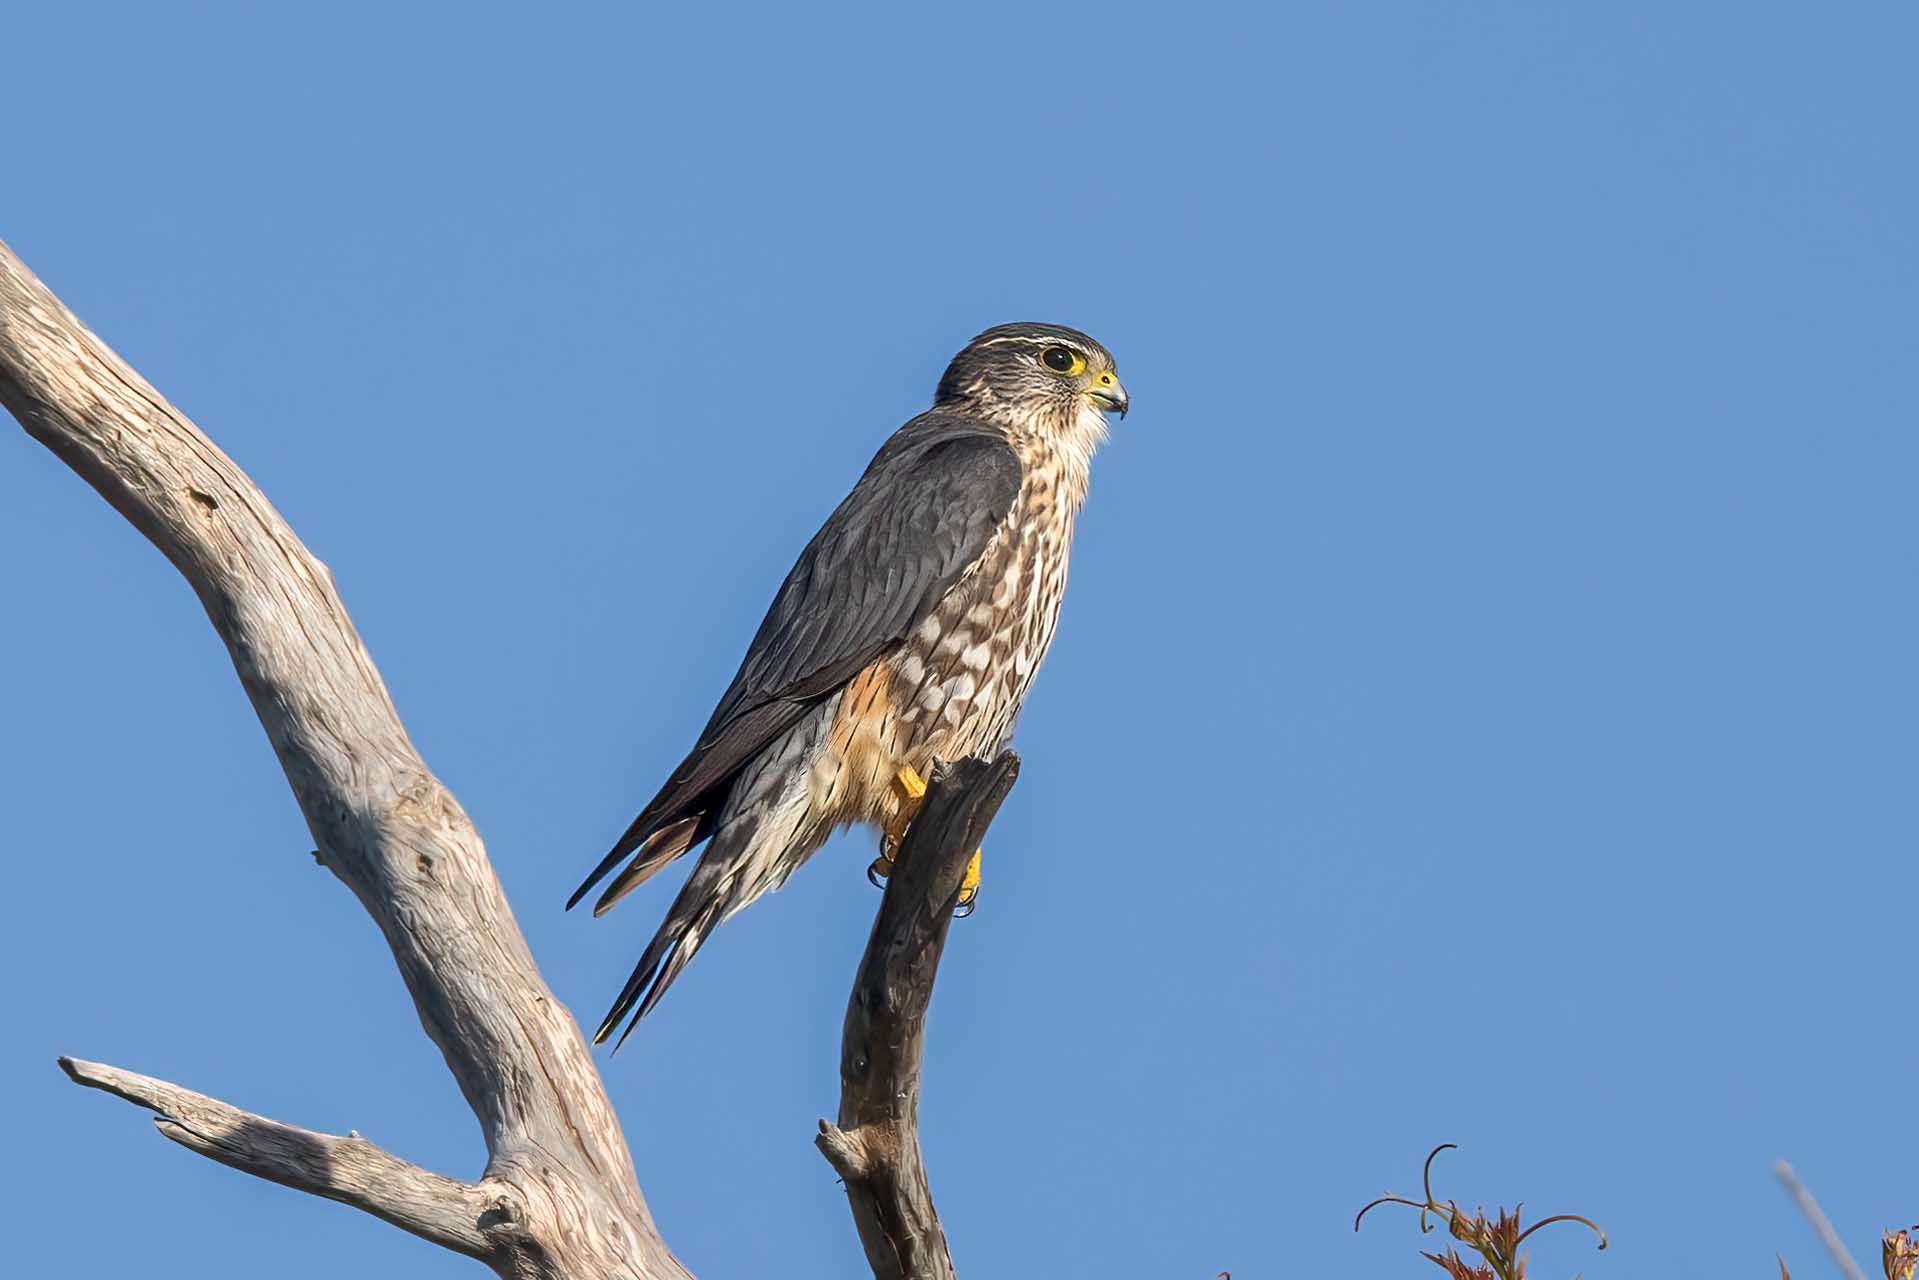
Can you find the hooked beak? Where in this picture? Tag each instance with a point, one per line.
(1109, 395)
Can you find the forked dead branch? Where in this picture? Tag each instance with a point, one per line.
(558, 1196)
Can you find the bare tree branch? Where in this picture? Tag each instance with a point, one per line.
(350, 1169)
(559, 1185)
(875, 1147)
(558, 1198)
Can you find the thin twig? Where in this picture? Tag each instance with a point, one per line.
(1817, 1217)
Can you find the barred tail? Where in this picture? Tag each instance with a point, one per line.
(702, 902)
(765, 830)
(752, 853)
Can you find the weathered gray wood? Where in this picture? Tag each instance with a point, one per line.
(558, 1197)
(875, 1147)
(350, 1169)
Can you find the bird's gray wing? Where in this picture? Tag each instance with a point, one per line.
(918, 519)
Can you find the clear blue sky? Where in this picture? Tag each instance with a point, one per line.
(1483, 709)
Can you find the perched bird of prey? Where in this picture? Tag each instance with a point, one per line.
(908, 632)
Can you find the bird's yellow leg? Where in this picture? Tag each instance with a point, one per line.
(912, 789)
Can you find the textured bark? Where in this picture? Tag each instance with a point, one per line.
(350, 1169)
(875, 1147)
(558, 1197)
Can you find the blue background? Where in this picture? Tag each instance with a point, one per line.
(1483, 709)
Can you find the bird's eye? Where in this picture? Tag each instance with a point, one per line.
(1062, 360)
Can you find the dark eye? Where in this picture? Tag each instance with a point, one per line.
(1061, 360)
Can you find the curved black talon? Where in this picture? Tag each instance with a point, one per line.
(875, 876)
(966, 905)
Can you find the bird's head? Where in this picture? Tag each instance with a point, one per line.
(1043, 378)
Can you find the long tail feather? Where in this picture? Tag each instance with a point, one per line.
(627, 844)
(705, 899)
(664, 845)
(761, 831)
(663, 812)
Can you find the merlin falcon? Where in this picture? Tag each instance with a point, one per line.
(907, 633)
